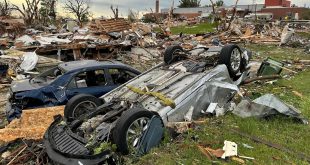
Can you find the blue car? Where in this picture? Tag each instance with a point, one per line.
(58, 85)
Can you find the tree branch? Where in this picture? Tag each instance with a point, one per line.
(79, 8)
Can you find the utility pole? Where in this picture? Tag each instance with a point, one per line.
(255, 5)
(157, 6)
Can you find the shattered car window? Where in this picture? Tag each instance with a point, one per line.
(120, 76)
(48, 76)
(88, 79)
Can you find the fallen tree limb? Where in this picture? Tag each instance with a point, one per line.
(247, 81)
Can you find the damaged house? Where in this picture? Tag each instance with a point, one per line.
(11, 26)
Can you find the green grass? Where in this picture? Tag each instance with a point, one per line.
(281, 130)
(278, 53)
(194, 29)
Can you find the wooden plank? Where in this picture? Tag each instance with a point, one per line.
(77, 54)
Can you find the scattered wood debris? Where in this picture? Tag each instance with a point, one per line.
(102, 26)
(27, 152)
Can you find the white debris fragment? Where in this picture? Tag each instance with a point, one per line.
(189, 115)
(286, 35)
(230, 149)
(247, 146)
(30, 61)
(211, 108)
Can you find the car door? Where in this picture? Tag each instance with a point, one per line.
(92, 82)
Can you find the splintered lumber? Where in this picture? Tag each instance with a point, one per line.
(32, 124)
(247, 81)
(205, 152)
(17, 155)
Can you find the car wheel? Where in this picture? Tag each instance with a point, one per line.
(230, 55)
(79, 105)
(130, 128)
(170, 54)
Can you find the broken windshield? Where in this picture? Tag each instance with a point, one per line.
(48, 76)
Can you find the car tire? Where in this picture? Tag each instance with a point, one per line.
(73, 107)
(230, 55)
(122, 126)
(169, 54)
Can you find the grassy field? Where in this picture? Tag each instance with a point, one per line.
(281, 130)
(195, 29)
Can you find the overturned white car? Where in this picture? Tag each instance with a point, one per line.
(133, 115)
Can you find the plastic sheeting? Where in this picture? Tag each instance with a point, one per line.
(27, 40)
(30, 61)
(265, 106)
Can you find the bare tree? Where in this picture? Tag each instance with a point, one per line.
(215, 6)
(48, 9)
(233, 15)
(30, 11)
(5, 8)
(170, 15)
(80, 8)
(115, 11)
(132, 15)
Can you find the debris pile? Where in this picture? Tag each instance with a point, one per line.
(20, 64)
(218, 90)
(261, 33)
(26, 152)
(104, 39)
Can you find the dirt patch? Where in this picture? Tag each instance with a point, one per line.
(32, 124)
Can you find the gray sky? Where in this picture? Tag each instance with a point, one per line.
(102, 7)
